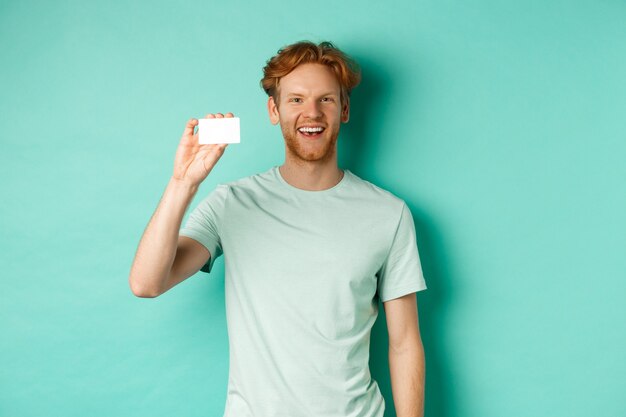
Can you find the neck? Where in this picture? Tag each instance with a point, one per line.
(311, 175)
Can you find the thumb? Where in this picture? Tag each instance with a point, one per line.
(189, 128)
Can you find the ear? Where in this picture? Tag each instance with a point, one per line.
(272, 110)
(345, 111)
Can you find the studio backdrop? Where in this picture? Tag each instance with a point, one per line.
(501, 124)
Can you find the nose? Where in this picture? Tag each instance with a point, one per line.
(312, 109)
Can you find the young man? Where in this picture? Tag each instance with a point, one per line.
(309, 250)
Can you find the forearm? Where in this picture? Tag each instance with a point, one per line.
(407, 369)
(157, 247)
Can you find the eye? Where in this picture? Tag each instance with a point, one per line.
(328, 99)
(295, 99)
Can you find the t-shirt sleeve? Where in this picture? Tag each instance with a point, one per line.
(203, 224)
(401, 273)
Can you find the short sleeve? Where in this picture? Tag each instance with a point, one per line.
(401, 273)
(203, 224)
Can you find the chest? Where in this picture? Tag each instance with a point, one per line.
(318, 246)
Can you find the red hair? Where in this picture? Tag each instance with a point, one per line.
(289, 57)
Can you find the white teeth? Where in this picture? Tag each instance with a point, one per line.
(311, 129)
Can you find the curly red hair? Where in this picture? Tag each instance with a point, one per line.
(289, 57)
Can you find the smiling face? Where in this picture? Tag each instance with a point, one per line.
(309, 112)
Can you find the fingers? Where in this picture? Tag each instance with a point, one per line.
(213, 148)
(210, 154)
(218, 115)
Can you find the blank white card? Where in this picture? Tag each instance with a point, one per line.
(225, 130)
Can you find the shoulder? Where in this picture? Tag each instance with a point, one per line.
(370, 191)
(251, 182)
(252, 185)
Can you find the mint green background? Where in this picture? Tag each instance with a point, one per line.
(500, 123)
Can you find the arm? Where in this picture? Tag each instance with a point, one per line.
(406, 356)
(164, 258)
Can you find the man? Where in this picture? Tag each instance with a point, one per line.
(309, 250)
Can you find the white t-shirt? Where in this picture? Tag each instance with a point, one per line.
(304, 273)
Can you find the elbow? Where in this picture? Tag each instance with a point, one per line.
(142, 291)
(411, 345)
(145, 294)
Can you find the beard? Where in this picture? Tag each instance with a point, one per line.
(318, 152)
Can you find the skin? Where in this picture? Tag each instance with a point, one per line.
(407, 363)
(309, 95)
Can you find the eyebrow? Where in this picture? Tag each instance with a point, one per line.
(330, 93)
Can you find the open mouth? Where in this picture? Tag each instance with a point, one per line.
(311, 131)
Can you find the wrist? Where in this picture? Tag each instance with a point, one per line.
(183, 186)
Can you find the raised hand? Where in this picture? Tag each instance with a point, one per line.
(193, 161)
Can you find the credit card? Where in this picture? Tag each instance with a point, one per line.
(224, 130)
